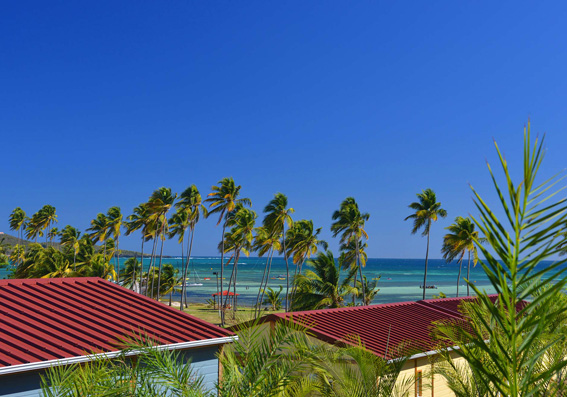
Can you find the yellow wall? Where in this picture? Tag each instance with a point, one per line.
(435, 386)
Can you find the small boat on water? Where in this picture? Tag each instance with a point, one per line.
(207, 278)
(428, 287)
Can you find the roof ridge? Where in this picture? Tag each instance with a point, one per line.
(346, 309)
(59, 280)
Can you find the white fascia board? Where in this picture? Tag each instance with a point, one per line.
(91, 357)
(425, 354)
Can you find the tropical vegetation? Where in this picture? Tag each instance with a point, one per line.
(427, 210)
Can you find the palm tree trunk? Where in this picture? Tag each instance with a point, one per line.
(141, 267)
(286, 271)
(266, 282)
(152, 257)
(360, 271)
(234, 285)
(189, 256)
(469, 275)
(232, 279)
(298, 269)
(425, 271)
(159, 270)
(256, 310)
(221, 308)
(184, 276)
(459, 277)
(117, 255)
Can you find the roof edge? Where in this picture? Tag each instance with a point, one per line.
(91, 357)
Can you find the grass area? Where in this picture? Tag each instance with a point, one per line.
(207, 313)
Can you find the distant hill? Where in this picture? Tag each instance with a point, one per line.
(6, 239)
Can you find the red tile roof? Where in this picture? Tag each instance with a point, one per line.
(53, 319)
(381, 328)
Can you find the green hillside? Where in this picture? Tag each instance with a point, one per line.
(9, 241)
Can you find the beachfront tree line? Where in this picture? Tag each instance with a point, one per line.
(514, 344)
(165, 215)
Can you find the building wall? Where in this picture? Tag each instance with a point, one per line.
(27, 384)
(205, 362)
(432, 386)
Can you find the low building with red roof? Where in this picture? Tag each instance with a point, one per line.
(53, 322)
(388, 330)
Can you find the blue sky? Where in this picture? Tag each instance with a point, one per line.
(103, 102)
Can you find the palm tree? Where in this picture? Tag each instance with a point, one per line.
(349, 261)
(138, 220)
(459, 241)
(47, 217)
(70, 238)
(170, 281)
(265, 243)
(159, 205)
(240, 237)
(273, 298)
(427, 210)
(349, 222)
(114, 224)
(131, 268)
(302, 241)
(321, 287)
(223, 200)
(52, 234)
(17, 221)
(369, 290)
(178, 224)
(18, 254)
(99, 230)
(277, 216)
(192, 204)
(34, 227)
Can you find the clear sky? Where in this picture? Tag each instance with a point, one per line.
(103, 102)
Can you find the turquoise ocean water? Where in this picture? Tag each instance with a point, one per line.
(399, 278)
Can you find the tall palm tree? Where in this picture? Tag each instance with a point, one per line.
(34, 227)
(17, 221)
(458, 242)
(354, 255)
(190, 202)
(427, 210)
(114, 224)
(99, 230)
(159, 205)
(70, 238)
(277, 217)
(322, 287)
(350, 222)
(139, 220)
(241, 236)
(47, 217)
(265, 243)
(178, 224)
(223, 200)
